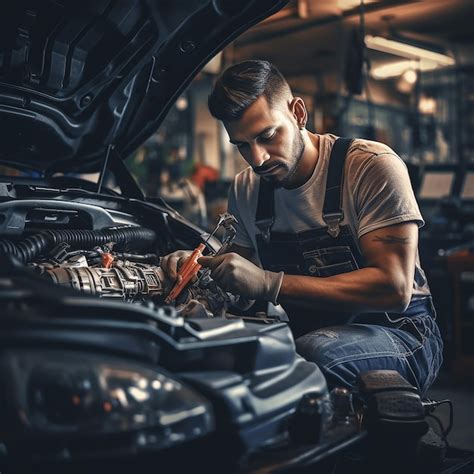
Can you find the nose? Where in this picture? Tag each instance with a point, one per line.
(258, 155)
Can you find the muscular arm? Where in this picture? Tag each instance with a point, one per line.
(385, 284)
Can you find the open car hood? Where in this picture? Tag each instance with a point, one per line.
(80, 78)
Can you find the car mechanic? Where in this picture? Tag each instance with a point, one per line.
(328, 228)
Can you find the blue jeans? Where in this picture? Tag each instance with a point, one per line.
(412, 346)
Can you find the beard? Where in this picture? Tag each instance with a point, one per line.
(296, 154)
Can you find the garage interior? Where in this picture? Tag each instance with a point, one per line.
(106, 360)
(419, 103)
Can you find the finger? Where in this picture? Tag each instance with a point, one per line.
(205, 261)
(172, 267)
(218, 274)
(210, 262)
(164, 263)
(180, 262)
(170, 263)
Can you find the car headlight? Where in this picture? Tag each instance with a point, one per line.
(47, 393)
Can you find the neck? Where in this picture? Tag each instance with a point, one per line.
(307, 162)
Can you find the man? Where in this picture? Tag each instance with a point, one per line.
(328, 228)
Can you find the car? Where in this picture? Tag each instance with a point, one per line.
(97, 369)
(95, 364)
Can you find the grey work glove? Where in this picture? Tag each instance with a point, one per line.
(172, 262)
(238, 275)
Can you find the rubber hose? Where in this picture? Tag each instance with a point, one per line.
(9, 248)
(38, 244)
(31, 247)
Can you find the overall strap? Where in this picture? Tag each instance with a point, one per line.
(265, 214)
(332, 210)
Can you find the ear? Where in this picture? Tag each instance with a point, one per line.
(299, 112)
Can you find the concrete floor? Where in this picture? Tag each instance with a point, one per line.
(461, 393)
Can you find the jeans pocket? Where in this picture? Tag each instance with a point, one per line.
(417, 326)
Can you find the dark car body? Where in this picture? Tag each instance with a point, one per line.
(94, 378)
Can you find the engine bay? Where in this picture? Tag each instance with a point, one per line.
(104, 252)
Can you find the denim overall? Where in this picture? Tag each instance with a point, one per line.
(343, 343)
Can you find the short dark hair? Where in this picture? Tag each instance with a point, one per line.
(240, 85)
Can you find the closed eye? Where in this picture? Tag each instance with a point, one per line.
(267, 138)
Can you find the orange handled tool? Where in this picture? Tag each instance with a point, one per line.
(191, 266)
(186, 272)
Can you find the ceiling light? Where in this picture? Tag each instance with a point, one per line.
(378, 43)
(386, 71)
(350, 4)
(303, 9)
(397, 68)
(427, 105)
(182, 103)
(407, 81)
(410, 76)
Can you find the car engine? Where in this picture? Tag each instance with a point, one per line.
(106, 275)
(113, 262)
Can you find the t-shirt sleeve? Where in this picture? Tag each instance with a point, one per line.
(384, 195)
(242, 237)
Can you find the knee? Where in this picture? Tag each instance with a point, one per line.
(315, 346)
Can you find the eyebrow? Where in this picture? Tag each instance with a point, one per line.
(236, 142)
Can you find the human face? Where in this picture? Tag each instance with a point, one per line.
(269, 140)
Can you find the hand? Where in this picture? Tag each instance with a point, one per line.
(238, 275)
(172, 262)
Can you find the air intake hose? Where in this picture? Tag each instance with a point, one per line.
(125, 238)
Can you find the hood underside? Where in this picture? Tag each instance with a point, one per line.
(79, 78)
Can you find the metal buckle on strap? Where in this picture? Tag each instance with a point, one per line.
(264, 227)
(333, 221)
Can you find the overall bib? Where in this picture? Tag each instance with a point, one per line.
(408, 342)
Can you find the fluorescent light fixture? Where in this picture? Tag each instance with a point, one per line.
(397, 68)
(378, 43)
(350, 4)
(386, 71)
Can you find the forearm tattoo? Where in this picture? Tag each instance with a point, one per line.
(391, 239)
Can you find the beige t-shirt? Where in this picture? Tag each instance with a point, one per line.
(376, 193)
